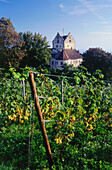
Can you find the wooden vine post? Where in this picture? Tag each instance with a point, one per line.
(38, 110)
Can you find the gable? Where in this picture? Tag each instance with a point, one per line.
(69, 39)
(57, 38)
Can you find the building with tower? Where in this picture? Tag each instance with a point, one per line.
(64, 51)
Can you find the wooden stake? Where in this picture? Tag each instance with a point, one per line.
(41, 122)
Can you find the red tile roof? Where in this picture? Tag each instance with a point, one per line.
(68, 54)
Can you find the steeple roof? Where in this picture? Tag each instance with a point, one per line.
(64, 37)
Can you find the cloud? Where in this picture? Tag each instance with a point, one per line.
(5, 1)
(105, 23)
(61, 6)
(77, 11)
(91, 7)
(101, 33)
(105, 6)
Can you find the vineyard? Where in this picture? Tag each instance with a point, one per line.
(77, 113)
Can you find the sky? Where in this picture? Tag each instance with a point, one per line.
(89, 21)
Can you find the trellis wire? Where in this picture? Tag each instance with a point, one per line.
(62, 85)
(52, 75)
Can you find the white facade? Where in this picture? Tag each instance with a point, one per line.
(69, 42)
(59, 63)
(63, 42)
(58, 43)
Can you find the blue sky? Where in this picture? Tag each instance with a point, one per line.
(89, 21)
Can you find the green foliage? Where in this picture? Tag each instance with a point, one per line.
(24, 49)
(3, 167)
(38, 53)
(80, 128)
(11, 52)
(96, 58)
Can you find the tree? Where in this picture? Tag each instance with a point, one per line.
(11, 44)
(96, 58)
(38, 53)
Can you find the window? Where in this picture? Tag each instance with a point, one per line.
(57, 62)
(52, 62)
(56, 46)
(70, 62)
(61, 63)
(57, 41)
(69, 40)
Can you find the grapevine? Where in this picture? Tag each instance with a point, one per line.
(79, 128)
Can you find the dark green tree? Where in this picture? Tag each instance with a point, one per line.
(67, 70)
(38, 53)
(96, 58)
(11, 44)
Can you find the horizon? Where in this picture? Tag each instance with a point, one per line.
(89, 22)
